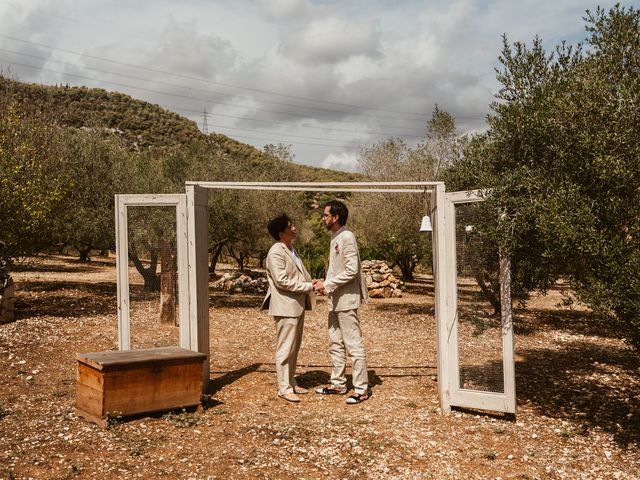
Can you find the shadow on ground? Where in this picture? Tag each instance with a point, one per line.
(69, 265)
(62, 299)
(577, 383)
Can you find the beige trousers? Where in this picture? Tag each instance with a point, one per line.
(288, 341)
(345, 338)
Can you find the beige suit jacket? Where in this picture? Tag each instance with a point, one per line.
(290, 288)
(346, 287)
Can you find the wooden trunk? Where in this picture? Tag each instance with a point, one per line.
(7, 303)
(128, 382)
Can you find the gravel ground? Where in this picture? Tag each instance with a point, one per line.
(578, 394)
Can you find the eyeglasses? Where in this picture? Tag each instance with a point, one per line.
(328, 215)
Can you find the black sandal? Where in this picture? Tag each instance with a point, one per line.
(357, 398)
(330, 391)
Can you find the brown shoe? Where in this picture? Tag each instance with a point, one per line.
(290, 397)
(300, 390)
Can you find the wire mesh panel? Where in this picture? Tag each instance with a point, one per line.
(153, 279)
(480, 350)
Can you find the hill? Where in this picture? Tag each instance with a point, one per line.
(144, 125)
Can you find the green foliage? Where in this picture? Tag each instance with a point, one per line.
(62, 179)
(114, 419)
(315, 251)
(141, 124)
(387, 224)
(183, 419)
(32, 186)
(280, 151)
(567, 432)
(499, 429)
(490, 454)
(563, 158)
(92, 167)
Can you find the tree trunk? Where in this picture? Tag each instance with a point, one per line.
(7, 301)
(240, 261)
(84, 254)
(215, 256)
(168, 277)
(261, 258)
(488, 291)
(238, 257)
(149, 275)
(407, 268)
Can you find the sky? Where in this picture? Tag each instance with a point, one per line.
(326, 77)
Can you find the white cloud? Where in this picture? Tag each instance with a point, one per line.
(392, 57)
(341, 161)
(184, 50)
(331, 40)
(286, 9)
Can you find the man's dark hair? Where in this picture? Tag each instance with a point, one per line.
(336, 207)
(278, 225)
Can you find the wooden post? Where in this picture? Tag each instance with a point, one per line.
(7, 302)
(197, 247)
(441, 296)
(168, 276)
(122, 268)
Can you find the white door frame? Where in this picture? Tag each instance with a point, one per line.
(193, 275)
(122, 202)
(457, 396)
(198, 249)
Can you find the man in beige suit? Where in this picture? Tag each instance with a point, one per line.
(346, 289)
(290, 294)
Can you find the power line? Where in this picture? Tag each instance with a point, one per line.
(134, 77)
(342, 143)
(161, 92)
(228, 85)
(271, 122)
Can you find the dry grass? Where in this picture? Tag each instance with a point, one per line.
(578, 391)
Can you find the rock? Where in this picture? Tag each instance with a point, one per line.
(236, 282)
(380, 280)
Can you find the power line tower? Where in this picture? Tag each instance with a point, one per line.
(205, 125)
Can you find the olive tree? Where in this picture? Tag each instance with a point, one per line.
(388, 223)
(33, 190)
(563, 158)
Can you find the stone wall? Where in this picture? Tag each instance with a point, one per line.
(380, 279)
(238, 282)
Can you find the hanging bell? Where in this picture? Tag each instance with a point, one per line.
(425, 226)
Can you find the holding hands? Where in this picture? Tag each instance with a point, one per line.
(318, 287)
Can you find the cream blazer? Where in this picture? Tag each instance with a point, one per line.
(346, 289)
(290, 288)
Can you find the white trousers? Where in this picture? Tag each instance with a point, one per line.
(345, 338)
(288, 341)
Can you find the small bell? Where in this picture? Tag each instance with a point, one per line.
(425, 226)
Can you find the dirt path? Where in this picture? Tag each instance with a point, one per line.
(578, 391)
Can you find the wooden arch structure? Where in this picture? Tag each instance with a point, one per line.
(193, 277)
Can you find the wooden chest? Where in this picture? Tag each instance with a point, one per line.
(128, 382)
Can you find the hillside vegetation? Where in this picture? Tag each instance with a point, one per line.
(142, 125)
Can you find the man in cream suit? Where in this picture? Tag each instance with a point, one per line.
(346, 289)
(290, 294)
